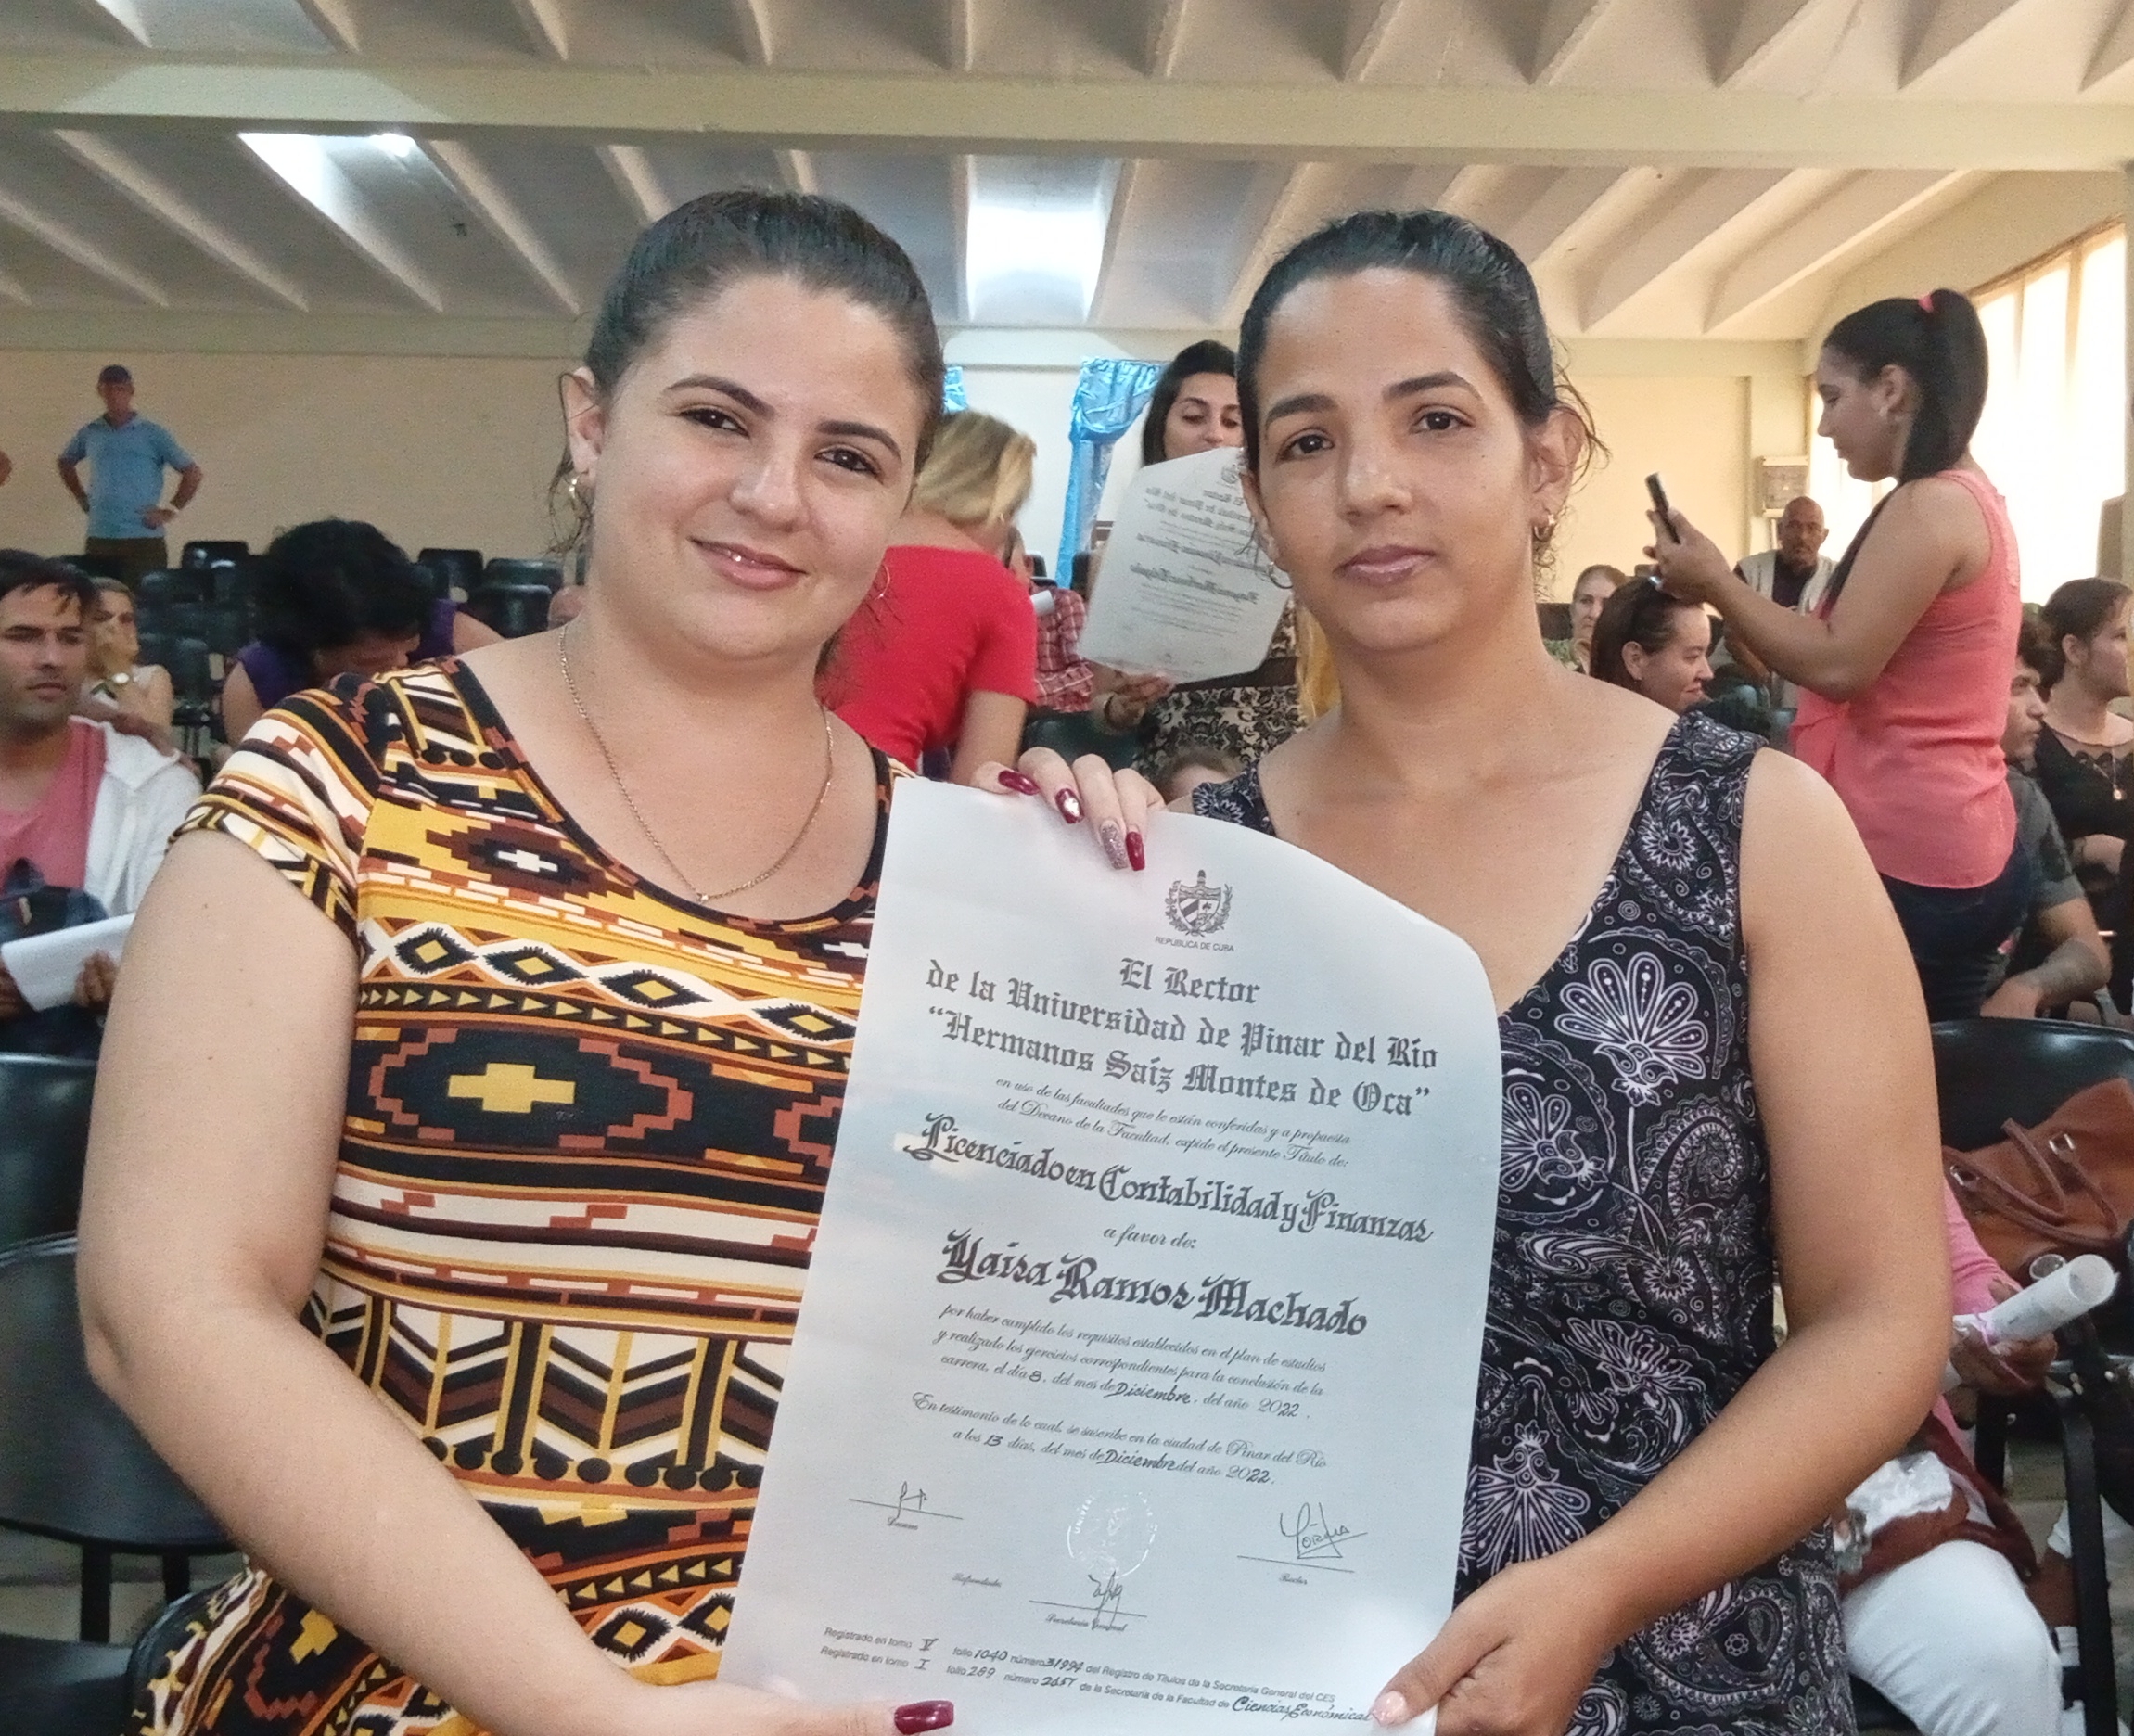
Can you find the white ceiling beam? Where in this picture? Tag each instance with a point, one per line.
(79, 248)
(336, 20)
(1709, 202)
(1424, 189)
(752, 30)
(631, 171)
(304, 166)
(1165, 35)
(1566, 25)
(959, 34)
(499, 213)
(1363, 35)
(796, 170)
(1546, 226)
(1132, 185)
(1469, 189)
(121, 18)
(1846, 223)
(1761, 29)
(1279, 216)
(1953, 25)
(989, 114)
(151, 194)
(2114, 52)
(546, 27)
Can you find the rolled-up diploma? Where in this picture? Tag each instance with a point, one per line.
(2045, 1307)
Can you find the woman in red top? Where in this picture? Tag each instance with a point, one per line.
(1904, 666)
(942, 654)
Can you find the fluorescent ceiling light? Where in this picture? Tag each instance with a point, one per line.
(1034, 237)
(128, 13)
(394, 144)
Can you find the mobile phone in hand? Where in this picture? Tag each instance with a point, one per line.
(1660, 505)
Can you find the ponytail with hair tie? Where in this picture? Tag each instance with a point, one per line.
(1944, 356)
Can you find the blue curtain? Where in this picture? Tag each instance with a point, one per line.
(1110, 394)
(953, 397)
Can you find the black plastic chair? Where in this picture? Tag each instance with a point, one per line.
(229, 585)
(43, 1139)
(459, 567)
(1987, 1072)
(71, 1466)
(503, 571)
(62, 1687)
(513, 610)
(199, 556)
(170, 586)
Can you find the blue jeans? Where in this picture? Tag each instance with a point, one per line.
(1955, 934)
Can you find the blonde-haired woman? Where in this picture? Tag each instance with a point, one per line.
(942, 658)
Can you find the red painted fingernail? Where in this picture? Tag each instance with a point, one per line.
(1020, 784)
(1136, 851)
(926, 1715)
(1069, 806)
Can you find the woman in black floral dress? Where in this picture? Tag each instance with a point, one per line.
(1714, 1050)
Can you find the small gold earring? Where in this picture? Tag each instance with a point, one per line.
(579, 490)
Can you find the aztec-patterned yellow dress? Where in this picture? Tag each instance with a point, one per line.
(589, 1124)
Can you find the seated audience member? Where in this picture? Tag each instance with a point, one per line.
(1193, 765)
(1938, 1621)
(2058, 955)
(1654, 644)
(2082, 755)
(1588, 594)
(1794, 575)
(119, 684)
(942, 658)
(85, 812)
(566, 605)
(336, 598)
(1063, 678)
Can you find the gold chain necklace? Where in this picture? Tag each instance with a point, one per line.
(643, 825)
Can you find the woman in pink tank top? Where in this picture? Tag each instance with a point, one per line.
(1904, 666)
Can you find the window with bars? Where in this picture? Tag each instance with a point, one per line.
(2053, 438)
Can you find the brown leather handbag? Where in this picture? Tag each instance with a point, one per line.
(2065, 1186)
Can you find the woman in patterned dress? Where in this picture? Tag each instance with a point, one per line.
(470, 1096)
(1691, 1093)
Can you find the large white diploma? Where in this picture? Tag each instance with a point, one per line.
(1184, 590)
(1135, 1381)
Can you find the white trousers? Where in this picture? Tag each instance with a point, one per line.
(2118, 1542)
(1951, 1640)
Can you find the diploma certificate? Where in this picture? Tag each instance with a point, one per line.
(1183, 590)
(1134, 1383)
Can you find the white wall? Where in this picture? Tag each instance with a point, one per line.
(457, 451)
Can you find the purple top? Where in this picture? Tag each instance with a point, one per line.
(276, 675)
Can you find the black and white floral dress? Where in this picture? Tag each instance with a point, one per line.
(1631, 1290)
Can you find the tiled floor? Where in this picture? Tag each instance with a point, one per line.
(38, 1583)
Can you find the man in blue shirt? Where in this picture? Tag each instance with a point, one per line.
(127, 455)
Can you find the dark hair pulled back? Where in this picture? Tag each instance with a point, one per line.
(1489, 285)
(1640, 614)
(700, 249)
(1204, 357)
(331, 582)
(1937, 340)
(2084, 607)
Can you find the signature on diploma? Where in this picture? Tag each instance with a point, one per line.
(1314, 1540)
(910, 1506)
(1104, 1611)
